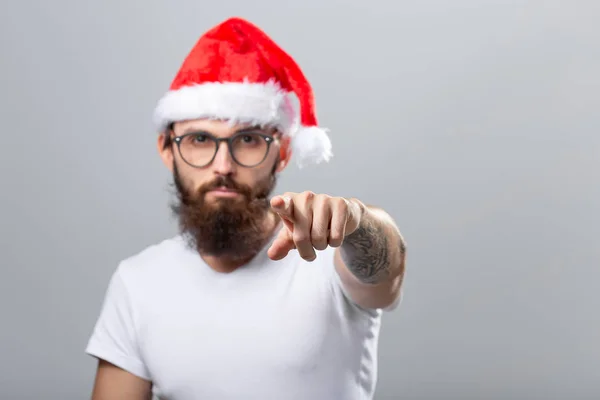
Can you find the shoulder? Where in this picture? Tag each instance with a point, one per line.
(156, 252)
(153, 263)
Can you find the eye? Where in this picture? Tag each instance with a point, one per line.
(248, 138)
(200, 138)
(197, 140)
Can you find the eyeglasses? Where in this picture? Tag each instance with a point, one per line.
(247, 148)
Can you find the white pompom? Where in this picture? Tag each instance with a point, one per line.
(311, 145)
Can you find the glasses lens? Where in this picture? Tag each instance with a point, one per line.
(197, 150)
(249, 149)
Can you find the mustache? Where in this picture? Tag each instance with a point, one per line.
(255, 196)
(222, 182)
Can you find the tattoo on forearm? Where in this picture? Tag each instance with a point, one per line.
(366, 253)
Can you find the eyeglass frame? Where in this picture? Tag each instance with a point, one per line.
(177, 139)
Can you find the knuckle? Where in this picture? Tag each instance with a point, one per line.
(321, 198)
(322, 201)
(307, 195)
(341, 204)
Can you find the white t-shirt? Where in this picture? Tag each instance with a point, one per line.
(278, 330)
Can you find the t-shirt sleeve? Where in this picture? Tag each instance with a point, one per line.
(114, 337)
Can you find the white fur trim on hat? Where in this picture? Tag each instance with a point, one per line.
(242, 102)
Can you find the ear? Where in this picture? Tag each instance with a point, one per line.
(165, 150)
(285, 153)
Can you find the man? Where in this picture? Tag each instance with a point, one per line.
(258, 297)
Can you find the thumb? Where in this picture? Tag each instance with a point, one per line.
(282, 245)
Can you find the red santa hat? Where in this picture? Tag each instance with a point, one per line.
(235, 72)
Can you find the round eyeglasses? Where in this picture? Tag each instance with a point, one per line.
(247, 149)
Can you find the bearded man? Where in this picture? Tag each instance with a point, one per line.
(258, 296)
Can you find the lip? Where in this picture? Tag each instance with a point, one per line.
(223, 192)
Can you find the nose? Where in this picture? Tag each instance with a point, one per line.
(223, 163)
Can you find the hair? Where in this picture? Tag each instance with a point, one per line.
(167, 142)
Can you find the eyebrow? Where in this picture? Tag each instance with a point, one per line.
(252, 128)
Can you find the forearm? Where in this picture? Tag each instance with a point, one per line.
(374, 252)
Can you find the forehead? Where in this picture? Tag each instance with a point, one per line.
(221, 128)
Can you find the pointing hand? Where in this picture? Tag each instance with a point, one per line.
(312, 222)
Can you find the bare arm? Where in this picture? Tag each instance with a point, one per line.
(371, 260)
(114, 383)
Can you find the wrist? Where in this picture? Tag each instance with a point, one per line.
(358, 213)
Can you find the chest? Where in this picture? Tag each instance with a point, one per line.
(223, 338)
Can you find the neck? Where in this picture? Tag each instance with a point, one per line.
(229, 264)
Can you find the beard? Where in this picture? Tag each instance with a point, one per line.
(231, 228)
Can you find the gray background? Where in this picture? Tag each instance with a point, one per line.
(475, 123)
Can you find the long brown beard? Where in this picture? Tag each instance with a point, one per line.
(230, 228)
